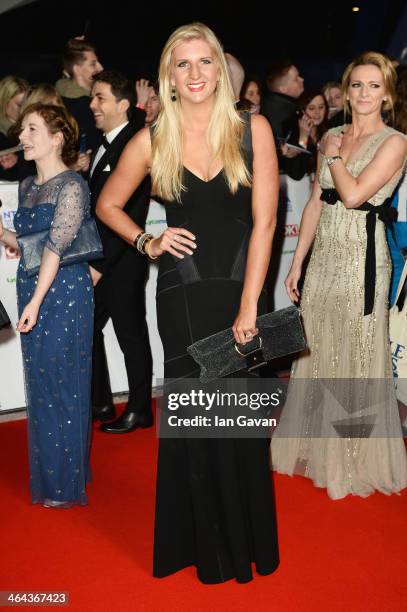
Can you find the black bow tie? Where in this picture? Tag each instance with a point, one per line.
(105, 142)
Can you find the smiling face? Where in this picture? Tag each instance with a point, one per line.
(316, 110)
(194, 71)
(37, 140)
(13, 107)
(366, 91)
(108, 112)
(83, 73)
(253, 93)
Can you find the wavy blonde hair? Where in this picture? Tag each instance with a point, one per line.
(43, 92)
(225, 131)
(372, 58)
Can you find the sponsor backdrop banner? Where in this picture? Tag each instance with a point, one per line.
(293, 197)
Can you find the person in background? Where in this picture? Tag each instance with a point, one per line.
(333, 95)
(279, 106)
(17, 168)
(42, 92)
(142, 90)
(397, 239)
(312, 125)
(121, 276)
(152, 105)
(14, 166)
(80, 64)
(236, 72)
(251, 92)
(12, 92)
(56, 311)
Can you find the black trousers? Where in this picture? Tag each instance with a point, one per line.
(122, 299)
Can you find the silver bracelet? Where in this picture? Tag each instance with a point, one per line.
(332, 159)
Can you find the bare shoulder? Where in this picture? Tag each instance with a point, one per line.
(395, 142)
(262, 134)
(141, 141)
(260, 125)
(140, 144)
(138, 149)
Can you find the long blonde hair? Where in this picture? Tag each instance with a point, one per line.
(225, 131)
(10, 86)
(372, 58)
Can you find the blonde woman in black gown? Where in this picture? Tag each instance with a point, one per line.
(216, 172)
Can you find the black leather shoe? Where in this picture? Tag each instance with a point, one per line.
(129, 421)
(104, 413)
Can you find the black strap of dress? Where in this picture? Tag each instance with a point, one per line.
(387, 214)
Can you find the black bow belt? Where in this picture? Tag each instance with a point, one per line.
(387, 214)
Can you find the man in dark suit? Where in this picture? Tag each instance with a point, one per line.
(280, 108)
(120, 277)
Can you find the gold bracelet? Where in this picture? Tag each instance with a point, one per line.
(147, 249)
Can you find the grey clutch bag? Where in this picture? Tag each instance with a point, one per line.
(280, 333)
(86, 247)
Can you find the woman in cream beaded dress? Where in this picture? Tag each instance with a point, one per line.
(340, 425)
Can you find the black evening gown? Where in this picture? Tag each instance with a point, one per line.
(215, 501)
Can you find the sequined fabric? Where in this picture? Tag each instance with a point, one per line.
(345, 344)
(57, 352)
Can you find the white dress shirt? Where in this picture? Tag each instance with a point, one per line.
(110, 136)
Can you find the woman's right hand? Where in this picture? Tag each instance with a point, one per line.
(174, 240)
(291, 283)
(305, 125)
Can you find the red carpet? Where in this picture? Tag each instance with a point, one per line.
(343, 555)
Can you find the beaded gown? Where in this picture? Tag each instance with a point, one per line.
(346, 438)
(215, 501)
(57, 351)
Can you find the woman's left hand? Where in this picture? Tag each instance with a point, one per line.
(244, 327)
(29, 318)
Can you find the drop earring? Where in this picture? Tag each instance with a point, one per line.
(173, 96)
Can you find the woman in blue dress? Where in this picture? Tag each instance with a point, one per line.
(56, 311)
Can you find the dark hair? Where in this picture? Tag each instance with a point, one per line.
(246, 83)
(74, 53)
(277, 71)
(400, 107)
(305, 98)
(57, 119)
(121, 87)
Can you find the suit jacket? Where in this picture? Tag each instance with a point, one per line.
(281, 112)
(79, 108)
(117, 252)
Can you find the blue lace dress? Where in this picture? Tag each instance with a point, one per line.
(57, 352)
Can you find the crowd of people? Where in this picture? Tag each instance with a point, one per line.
(209, 144)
